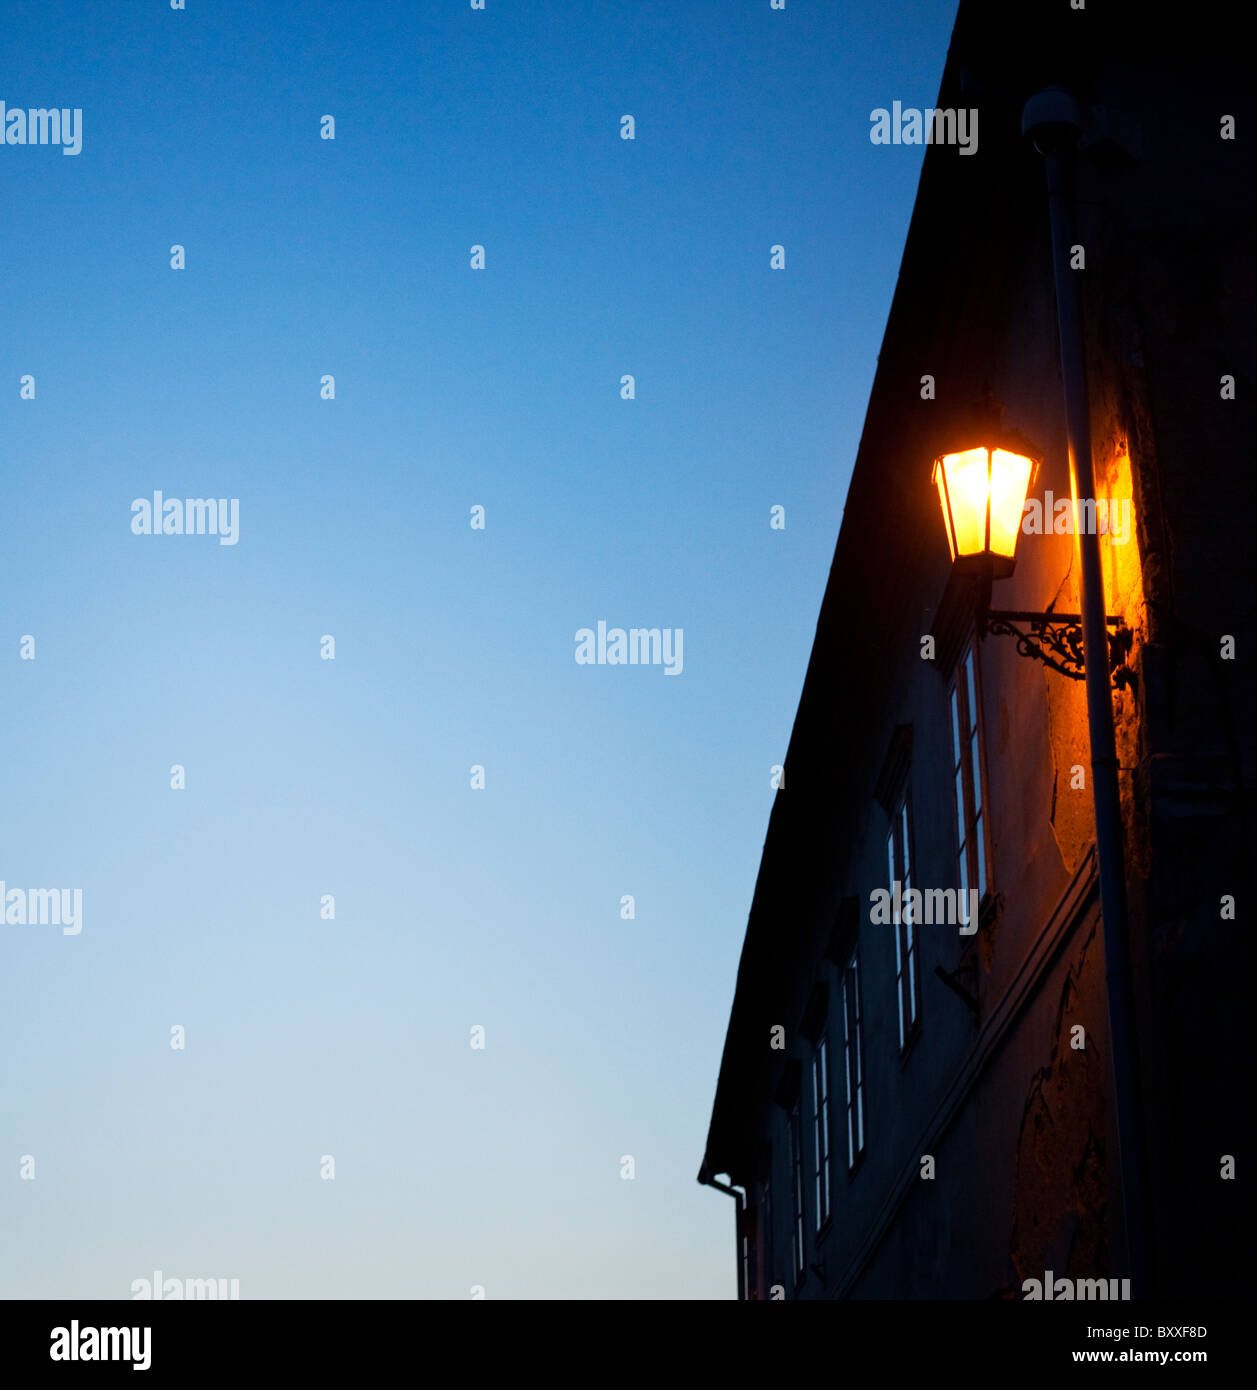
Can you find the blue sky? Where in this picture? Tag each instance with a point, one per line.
(455, 907)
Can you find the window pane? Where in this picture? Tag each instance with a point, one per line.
(819, 1135)
(979, 850)
(796, 1188)
(955, 727)
(905, 853)
(973, 702)
(977, 777)
(853, 1061)
(912, 982)
(962, 810)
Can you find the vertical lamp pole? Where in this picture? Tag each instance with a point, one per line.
(1052, 120)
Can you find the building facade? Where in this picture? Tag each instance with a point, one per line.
(915, 1097)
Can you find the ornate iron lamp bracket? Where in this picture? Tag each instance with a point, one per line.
(1056, 640)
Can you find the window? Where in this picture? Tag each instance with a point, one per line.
(853, 1059)
(967, 778)
(820, 1127)
(766, 1242)
(796, 1190)
(899, 866)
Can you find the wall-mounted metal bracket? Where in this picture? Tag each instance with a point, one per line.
(1056, 640)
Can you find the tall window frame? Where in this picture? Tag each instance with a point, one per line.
(900, 868)
(821, 1131)
(767, 1244)
(798, 1249)
(972, 824)
(853, 1059)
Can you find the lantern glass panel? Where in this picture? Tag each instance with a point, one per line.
(965, 475)
(1010, 479)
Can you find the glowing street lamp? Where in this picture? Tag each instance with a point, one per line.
(982, 491)
(983, 494)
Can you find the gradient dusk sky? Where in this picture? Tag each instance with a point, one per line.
(454, 908)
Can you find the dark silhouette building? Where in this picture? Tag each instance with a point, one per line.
(909, 1110)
